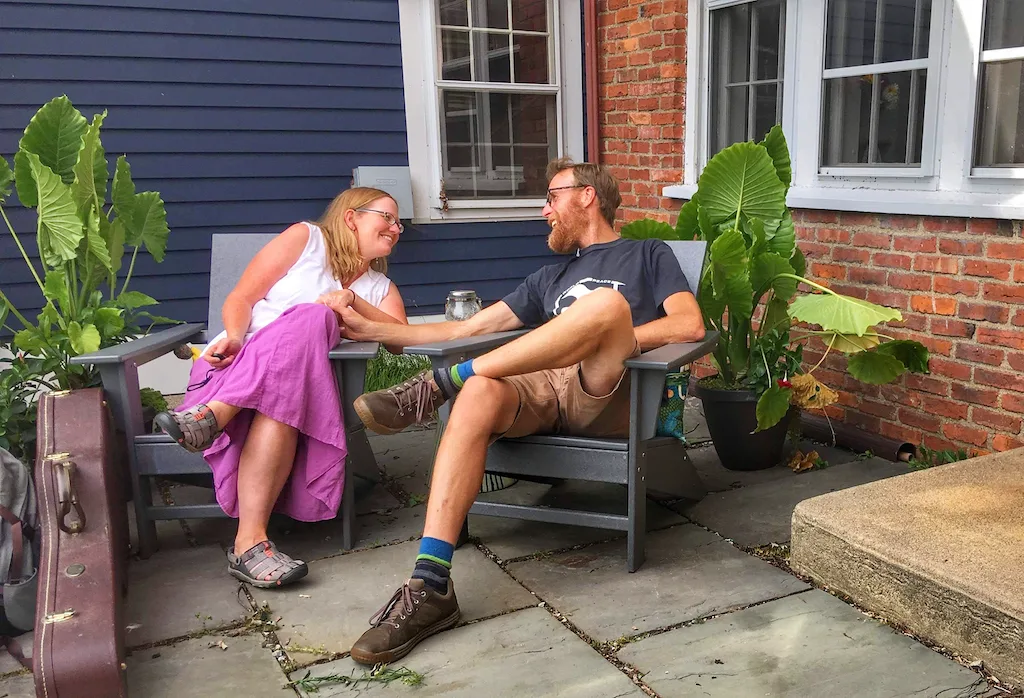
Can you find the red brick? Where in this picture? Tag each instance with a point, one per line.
(863, 421)
(910, 282)
(927, 384)
(966, 351)
(1004, 338)
(943, 347)
(965, 434)
(1011, 402)
(992, 270)
(938, 265)
(901, 433)
(911, 321)
(867, 275)
(920, 420)
(937, 443)
(849, 218)
(1003, 292)
(1002, 442)
(988, 226)
(1015, 360)
(878, 409)
(850, 254)
(834, 235)
(949, 369)
(818, 216)
(960, 247)
(953, 286)
(996, 420)
(980, 311)
(952, 328)
(1018, 318)
(901, 222)
(1018, 272)
(999, 379)
(945, 225)
(815, 250)
(890, 299)
(935, 306)
(907, 243)
(944, 408)
(828, 271)
(876, 240)
(973, 395)
(1005, 250)
(897, 261)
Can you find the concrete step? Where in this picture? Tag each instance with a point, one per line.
(939, 551)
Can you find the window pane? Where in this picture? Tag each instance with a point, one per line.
(767, 20)
(530, 53)
(728, 117)
(497, 145)
(1004, 24)
(1000, 118)
(874, 119)
(530, 15)
(454, 12)
(867, 32)
(454, 55)
(492, 14)
(766, 105)
(491, 58)
(731, 42)
(904, 30)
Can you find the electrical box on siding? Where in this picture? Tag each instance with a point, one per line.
(394, 180)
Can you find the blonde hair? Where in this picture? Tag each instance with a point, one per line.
(342, 247)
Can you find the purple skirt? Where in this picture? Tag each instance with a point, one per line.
(283, 372)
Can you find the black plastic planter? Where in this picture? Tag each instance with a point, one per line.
(732, 417)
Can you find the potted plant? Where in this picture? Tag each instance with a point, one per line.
(752, 293)
(61, 171)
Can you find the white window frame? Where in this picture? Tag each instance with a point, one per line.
(420, 67)
(946, 184)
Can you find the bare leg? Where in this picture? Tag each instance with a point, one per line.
(263, 469)
(223, 412)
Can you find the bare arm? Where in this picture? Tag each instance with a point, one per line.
(392, 308)
(495, 318)
(683, 322)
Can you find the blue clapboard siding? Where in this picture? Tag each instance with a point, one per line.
(246, 115)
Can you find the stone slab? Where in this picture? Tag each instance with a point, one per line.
(178, 592)
(689, 573)
(720, 479)
(695, 427)
(10, 665)
(18, 686)
(332, 605)
(194, 668)
(761, 514)
(527, 653)
(322, 539)
(810, 644)
(937, 550)
(512, 538)
(407, 458)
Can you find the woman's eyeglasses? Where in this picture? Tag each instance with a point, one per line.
(390, 218)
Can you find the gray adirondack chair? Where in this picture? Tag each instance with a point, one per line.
(153, 455)
(642, 462)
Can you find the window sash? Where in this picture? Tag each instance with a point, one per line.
(986, 140)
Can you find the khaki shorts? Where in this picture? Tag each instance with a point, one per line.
(553, 401)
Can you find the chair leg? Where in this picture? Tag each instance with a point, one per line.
(145, 525)
(348, 511)
(637, 506)
(463, 534)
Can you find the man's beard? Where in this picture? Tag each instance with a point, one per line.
(565, 236)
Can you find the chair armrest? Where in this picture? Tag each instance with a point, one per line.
(671, 356)
(354, 350)
(144, 349)
(468, 346)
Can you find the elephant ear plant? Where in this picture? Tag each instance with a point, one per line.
(61, 171)
(750, 288)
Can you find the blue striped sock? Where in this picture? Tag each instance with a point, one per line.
(434, 563)
(461, 373)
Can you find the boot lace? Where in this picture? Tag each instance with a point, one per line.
(416, 395)
(399, 607)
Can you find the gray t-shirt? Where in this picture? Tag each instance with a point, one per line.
(645, 272)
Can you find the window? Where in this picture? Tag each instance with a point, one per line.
(493, 93)
(1000, 125)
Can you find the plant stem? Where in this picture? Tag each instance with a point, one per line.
(131, 267)
(827, 350)
(824, 289)
(24, 255)
(14, 310)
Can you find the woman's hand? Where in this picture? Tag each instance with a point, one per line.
(337, 300)
(356, 327)
(222, 353)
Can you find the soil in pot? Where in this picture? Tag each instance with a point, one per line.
(732, 418)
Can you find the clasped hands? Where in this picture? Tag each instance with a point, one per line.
(351, 324)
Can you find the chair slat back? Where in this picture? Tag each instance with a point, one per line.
(690, 254)
(230, 255)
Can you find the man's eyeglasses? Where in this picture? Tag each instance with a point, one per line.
(390, 218)
(570, 186)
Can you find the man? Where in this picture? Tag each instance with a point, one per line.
(610, 300)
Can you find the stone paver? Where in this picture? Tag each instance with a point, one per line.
(407, 458)
(194, 668)
(810, 644)
(331, 607)
(527, 653)
(18, 686)
(762, 513)
(511, 538)
(689, 573)
(177, 592)
(8, 664)
(315, 541)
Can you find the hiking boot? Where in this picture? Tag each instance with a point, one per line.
(414, 613)
(195, 429)
(391, 410)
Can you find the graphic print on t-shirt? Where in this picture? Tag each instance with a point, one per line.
(582, 288)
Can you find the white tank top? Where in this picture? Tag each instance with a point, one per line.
(305, 281)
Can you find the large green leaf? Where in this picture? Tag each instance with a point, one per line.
(913, 355)
(711, 307)
(122, 191)
(772, 406)
(109, 321)
(840, 314)
(48, 317)
(96, 249)
(24, 181)
(113, 233)
(6, 179)
(90, 183)
(799, 262)
(775, 143)
(55, 135)
(149, 224)
(776, 316)
(742, 179)
(730, 274)
(636, 230)
(686, 224)
(874, 368)
(764, 274)
(754, 228)
(60, 228)
(55, 288)
(851, 343)
(29, 340)
(83, 339)
(783, 242)
(134, 299)
(708, 232)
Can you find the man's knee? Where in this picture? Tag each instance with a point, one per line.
(482, 400)
(606, 306)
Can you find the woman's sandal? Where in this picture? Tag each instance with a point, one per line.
(194, 429)
(265, 567)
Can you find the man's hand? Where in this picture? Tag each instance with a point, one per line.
(337, 300)
(356, 327)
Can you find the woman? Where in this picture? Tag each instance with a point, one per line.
(263, 406)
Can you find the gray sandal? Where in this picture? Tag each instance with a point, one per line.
(265, 567)
(195, 429)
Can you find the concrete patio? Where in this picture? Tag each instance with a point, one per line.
(546, 610)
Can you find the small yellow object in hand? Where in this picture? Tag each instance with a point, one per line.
(196, 353)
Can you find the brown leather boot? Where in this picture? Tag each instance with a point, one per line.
(391, 410)
(414, 613)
